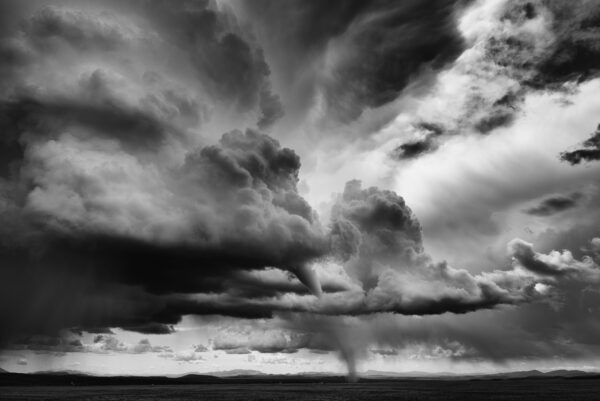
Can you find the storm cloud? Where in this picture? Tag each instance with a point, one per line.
(316, 48)
(282, 174)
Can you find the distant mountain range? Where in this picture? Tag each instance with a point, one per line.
(376, 374)
(235, 372)
(504, 375)
(66, 378)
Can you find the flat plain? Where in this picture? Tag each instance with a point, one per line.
(414, 390)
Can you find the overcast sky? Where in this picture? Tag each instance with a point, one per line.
(299, 185)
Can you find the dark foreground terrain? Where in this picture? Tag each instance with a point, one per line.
(416, 390)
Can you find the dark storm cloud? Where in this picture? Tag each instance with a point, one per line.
(575, 54)
(589, 152)
(372, 229)
(76, 146)
(50, 298)
(258, 171)
(246, 184)
(241, 177)
(229, 64)
(554, 205)
(361, 54)
(240, 194)
(384, 241)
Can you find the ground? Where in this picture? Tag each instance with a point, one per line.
(415, 390)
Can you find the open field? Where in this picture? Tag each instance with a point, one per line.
(425, 390)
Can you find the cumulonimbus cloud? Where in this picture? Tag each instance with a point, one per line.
(108, 168)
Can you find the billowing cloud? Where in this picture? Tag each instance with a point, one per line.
(353, 55)
(270, 341)
(239, 195)
(230, 67)
(574, 53)
(59, 345)
(562, 283)
(555, 264)
(377, 226)
(109, 167)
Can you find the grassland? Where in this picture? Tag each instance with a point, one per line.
(421, 390)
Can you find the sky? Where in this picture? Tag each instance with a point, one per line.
(299, 186)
